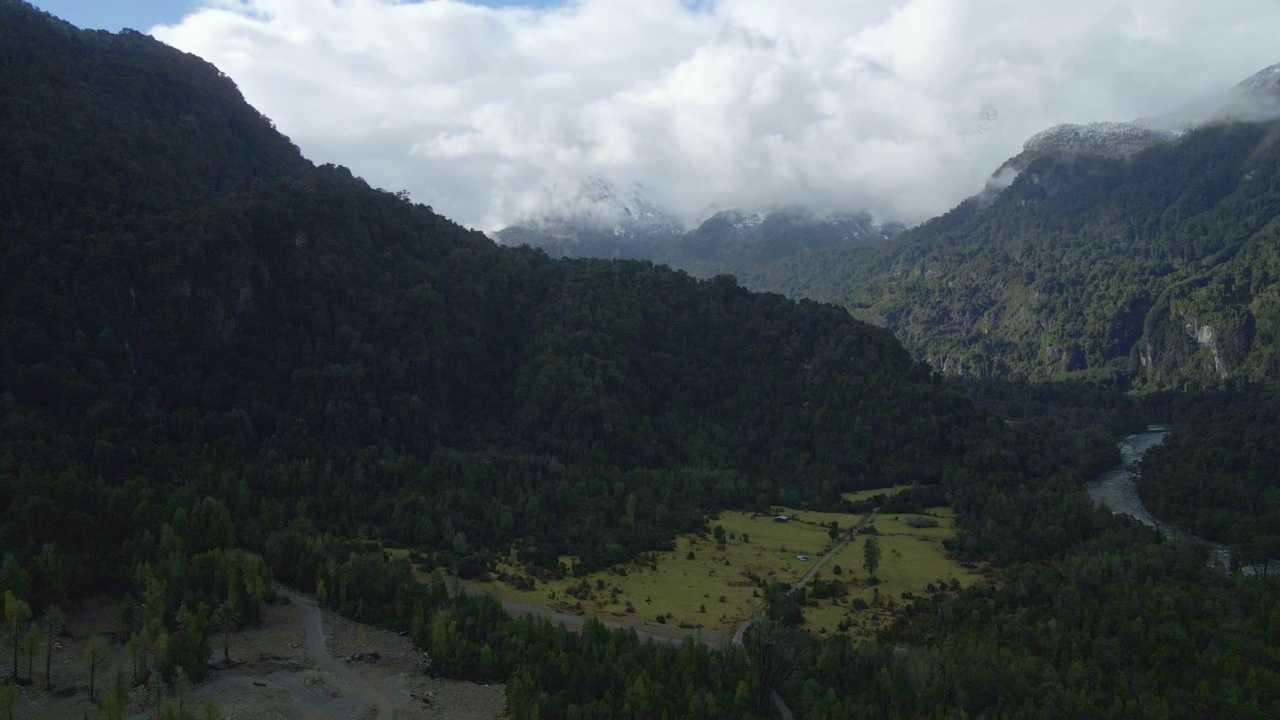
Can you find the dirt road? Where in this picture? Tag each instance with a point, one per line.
(813, 571)
(386, 697)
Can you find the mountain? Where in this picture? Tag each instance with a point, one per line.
(734, 242)
(1113, 253)
(608, 223)
(68, 146)
(625, 225)
(189, 310)
(1255, 98)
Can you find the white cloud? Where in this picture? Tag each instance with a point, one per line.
(491, 114)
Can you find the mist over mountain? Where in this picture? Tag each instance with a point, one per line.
(612, 224)
(601, 221)
(1113, 250)
(1255, 99)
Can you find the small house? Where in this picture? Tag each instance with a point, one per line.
(780, 518)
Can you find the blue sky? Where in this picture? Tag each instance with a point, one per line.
(145, 14)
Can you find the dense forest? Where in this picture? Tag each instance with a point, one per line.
(222, 367)
(1216, 477)
(210, 346)
(1160, 269)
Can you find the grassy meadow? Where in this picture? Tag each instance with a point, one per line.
(911, 558)
(719, 586)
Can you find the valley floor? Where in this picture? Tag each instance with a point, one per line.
(709, 589)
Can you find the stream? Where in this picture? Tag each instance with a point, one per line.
(1117, 488)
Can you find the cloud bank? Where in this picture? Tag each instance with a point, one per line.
(902, 108)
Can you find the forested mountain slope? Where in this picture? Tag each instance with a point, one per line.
(1164, 267)
(93, 120)
(188, 307)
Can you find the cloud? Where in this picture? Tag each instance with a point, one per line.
(899, 107)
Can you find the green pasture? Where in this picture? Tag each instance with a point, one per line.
(911, 559)
(718, 588)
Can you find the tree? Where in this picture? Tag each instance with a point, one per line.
(718, 532)
(776, 651)
(871, 556)
(833, 531)
(97, 655)
(113, 702)
(189, 644)
(224, 620)
(783, 606)
(50, 622)
(31, 643)
(55, 566)
(17, 613)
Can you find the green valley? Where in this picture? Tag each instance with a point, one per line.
(240, 393)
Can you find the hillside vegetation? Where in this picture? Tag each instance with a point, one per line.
(209, 345)
(1162, 268)
(1216, 475)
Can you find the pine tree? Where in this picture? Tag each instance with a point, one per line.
(17, 613)
(871, 556)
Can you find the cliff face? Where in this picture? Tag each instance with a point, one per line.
(1222, 324)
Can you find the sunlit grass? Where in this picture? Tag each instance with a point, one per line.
(713, 590)
(911, 559)
(718, 589)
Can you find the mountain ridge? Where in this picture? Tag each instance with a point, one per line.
(1086, 264)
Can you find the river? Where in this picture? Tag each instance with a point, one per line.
(1117, 489)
